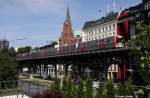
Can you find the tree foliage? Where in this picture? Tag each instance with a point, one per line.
(89, 87)
(110, 90)
(24, 49)
(140, 46)
(8, 68)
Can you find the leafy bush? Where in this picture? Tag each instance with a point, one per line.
(88, 87)
(100, 91)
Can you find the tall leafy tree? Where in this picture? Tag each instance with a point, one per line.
(8, 67)
(110, 90)
(140, 45)
(24, 49)
(89, 87)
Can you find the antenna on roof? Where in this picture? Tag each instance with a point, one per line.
(100, 12)
(108, 11)
(114, 5)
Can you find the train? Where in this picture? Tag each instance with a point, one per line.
(95, 45)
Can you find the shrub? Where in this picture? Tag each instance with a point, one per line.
(88, 87)
(110, 89)
(100, 91)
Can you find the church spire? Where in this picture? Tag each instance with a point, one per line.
(68, 14)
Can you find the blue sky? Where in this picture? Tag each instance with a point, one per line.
(41, 21)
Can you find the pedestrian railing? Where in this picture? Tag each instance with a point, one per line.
(20, 87)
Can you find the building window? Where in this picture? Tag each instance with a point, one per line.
(113, 26)
(103, 29)
(106, 28)
(146, 6)
(99, 37)
(92, 38)
(95, 37)
(110, 27)
(99, 30)
(92, 32)
(95, 31)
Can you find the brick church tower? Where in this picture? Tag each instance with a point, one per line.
(67, 34)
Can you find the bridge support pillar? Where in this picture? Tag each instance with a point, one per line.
(55, 70)
(20, 69)
(45, 71)
(40, 70)
(66, 69)
(79, 70)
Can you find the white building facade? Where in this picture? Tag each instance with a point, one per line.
(99, 29)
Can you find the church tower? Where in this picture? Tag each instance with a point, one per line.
(67, 34)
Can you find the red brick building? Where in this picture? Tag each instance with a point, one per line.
(67, 37)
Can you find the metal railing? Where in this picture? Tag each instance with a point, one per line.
(21, 88)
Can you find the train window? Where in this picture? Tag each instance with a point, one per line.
(108, 41)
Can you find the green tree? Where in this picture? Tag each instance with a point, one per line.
(100, 91)
(88, 87)
(12, 52)
(129, 89)
(120, 89)
(56, 85)
(80, 89)
(140, 44)
(8, 69)
(110, 90)
(24, 49)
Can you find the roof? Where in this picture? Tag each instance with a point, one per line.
(76, 33)
(52, 44)
(109, 17)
